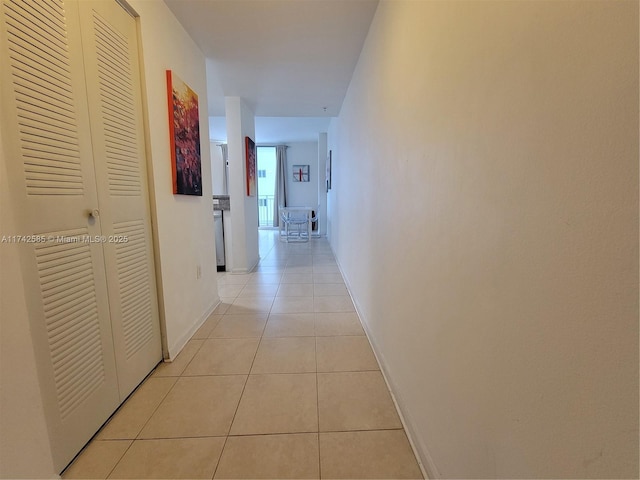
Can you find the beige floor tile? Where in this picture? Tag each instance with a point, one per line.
(327, 278)
(223, 356)
(324, 263)
(270, 456)
(175, 368)
(208, 401)
(305, 251)
(196, 407)
(297, 278)
(250, 305)
(295, 290)
(236, 279)
(302, 258)
(266, 276)
(324, 260)
(274, 268)
(259, 290)
(375, 454)
(267, 258)
(299, 266)
(224, 305)
(170, 458)
(299, 261)
(355, 401)
(292, 305)
(333, 304)
(326, 269)
(330, 324)
(299, 249)
(286, 355)
(343, 354)
(240, 326)
(229, 291)
(98, 459)
(207, 327)
(290, 325)
(127, 422)
(299, 269)
(329, 289)
(278, 404)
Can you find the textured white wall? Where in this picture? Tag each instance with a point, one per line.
(302, 193)
(323, 152)
(217, 168)
(183, 224)
(484, 212)
(250, 203)
(244, 209)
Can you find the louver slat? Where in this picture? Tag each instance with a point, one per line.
(39, 58)
(71, 317)
(133, 281)
(117, 108)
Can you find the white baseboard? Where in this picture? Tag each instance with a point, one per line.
(425, 462)
(427, 466)
(239, 271)
(179, 344)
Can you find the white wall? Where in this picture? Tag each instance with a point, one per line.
(217, 168)
(183, 224)
(244, 209)
(302, 193)
(321, 180)
(497, 271)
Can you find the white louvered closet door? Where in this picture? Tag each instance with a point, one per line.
(109, 41)
(49, 159)
(72, 128)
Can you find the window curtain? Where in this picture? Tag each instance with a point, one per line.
(280, 199)
(225, 170)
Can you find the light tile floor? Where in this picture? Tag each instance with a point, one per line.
(279, 382)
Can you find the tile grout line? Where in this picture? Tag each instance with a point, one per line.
(133, 440)
(226, 439)
(318, 406)
(315, 336)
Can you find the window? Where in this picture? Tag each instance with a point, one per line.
(266, 184)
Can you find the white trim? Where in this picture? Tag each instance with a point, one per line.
(424, 459)
(240, 271)
(177, 347)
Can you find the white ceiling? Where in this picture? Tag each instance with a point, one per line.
(275, 130)
(286, 58)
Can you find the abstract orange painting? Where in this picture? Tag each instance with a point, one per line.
(250, 147)
(184, 135)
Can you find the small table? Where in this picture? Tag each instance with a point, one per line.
(296, 212)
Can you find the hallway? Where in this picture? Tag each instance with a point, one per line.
(279, 382)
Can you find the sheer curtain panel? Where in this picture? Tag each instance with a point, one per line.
(280, 199)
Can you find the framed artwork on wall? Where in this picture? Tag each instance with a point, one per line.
(250, 148)
(329, 159)
(184, 136)
(301, 173)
